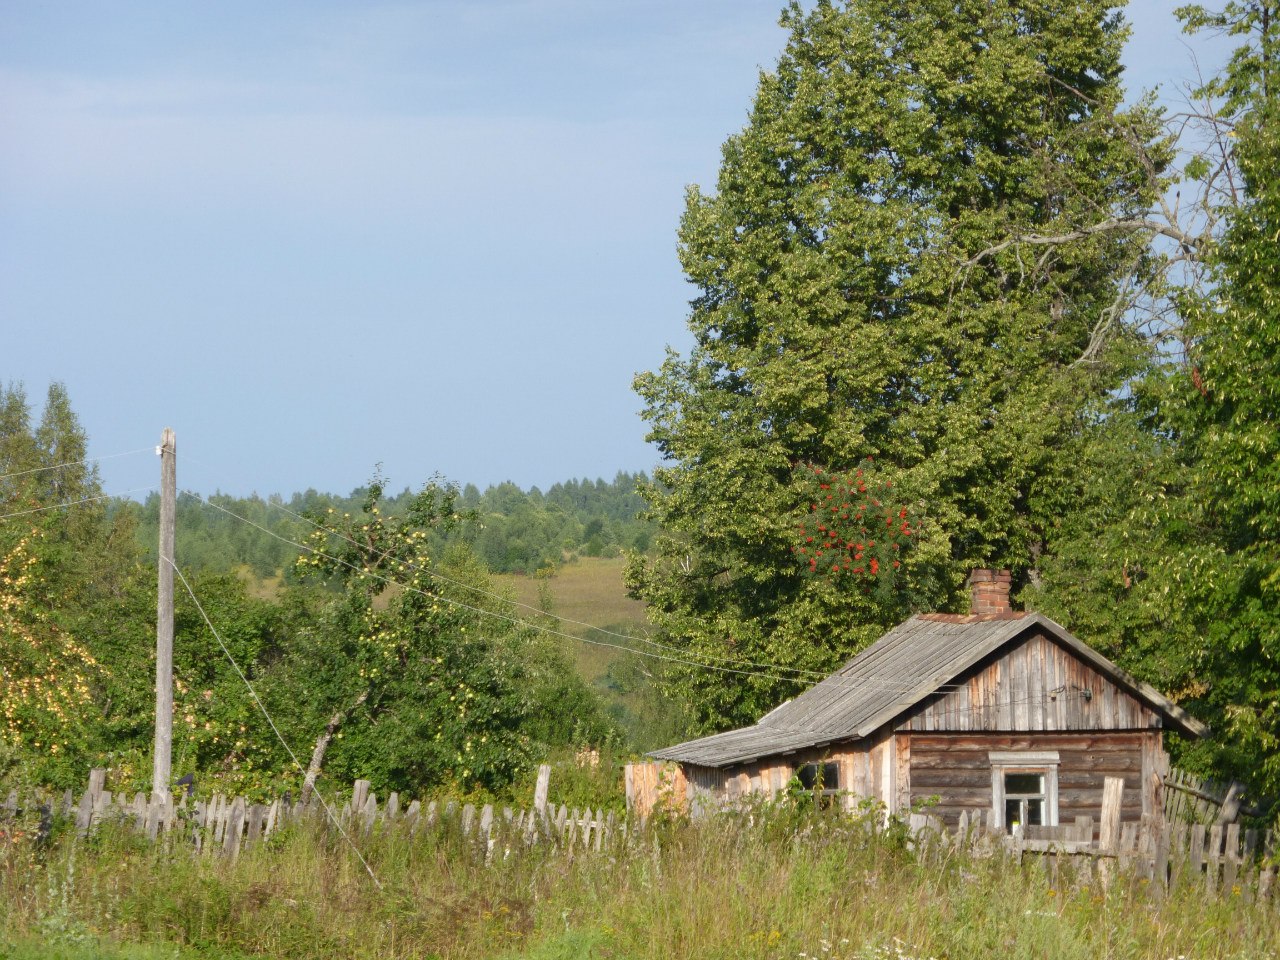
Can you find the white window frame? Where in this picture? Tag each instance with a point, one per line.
(1043, 762)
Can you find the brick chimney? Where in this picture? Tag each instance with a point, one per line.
(989, 593)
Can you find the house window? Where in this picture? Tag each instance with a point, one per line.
(1024, 788)
(823, 779)
(1024, 799)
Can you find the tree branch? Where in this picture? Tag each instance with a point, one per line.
(1110, 225)
(322, 745)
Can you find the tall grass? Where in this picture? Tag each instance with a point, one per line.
(771, 885)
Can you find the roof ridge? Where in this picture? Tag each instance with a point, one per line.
(972, 617)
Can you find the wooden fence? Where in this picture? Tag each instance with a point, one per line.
(1221, 857)
(228, 824)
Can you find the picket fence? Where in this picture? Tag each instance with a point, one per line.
(227, 825)
(1221, 858)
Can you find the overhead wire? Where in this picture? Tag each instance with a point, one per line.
(835, 678)
(801, 672)
(538, 610)
(274, 503)
(74, 463)
(271, 722)
(73, 503)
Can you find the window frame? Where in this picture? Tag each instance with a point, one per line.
(1040, 762)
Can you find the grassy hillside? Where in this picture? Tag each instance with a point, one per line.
(588, 593)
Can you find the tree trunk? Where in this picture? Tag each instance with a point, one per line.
(322, 745)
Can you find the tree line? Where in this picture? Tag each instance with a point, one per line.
(510, 529)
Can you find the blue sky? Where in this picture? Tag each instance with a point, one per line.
(315, 236)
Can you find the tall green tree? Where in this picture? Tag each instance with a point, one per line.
(856, 297)
(1174, 560)
(1226, 405)
(67, 569)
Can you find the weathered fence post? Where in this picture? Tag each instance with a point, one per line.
(541, 788)
(1109, 828)
(231, 840)
(89, 802)
(359, 793)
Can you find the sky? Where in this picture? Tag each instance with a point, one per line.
(316, 236)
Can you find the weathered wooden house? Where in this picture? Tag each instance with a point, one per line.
(1000, 713)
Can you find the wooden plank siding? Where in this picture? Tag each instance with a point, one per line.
(1037, 685)
(709, 787)
(955, 768)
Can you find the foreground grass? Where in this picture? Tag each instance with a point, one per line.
(786, 887)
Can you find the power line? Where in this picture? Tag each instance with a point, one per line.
(800, 673)
(73, 503)
(862, 683)
(486, 593)
(537, 610)
(74, 463)
(276, 730)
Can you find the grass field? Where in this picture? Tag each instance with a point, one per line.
(587, 593)
(778, 885)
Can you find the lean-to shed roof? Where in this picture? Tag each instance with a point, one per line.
(912, 661)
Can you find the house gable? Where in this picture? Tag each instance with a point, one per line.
(1034, 684)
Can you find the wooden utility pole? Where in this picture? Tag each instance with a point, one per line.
(164, 618)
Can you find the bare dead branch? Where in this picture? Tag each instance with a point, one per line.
(1109, 225)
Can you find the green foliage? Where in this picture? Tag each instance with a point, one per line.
(433, 676)
(1173, 560)
(857, 297)
(66, 567)
(519, 532)
(218, 540)
(1251, 70)
(511, 530)
(1232, 423)
(429, 673)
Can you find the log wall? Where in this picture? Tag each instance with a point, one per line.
(956, 769)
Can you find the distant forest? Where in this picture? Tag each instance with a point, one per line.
(509, 529)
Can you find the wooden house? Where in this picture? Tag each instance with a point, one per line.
(1000, 713)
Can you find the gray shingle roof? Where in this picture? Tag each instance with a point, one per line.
(915, 659)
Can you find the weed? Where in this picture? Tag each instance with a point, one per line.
(769, 883)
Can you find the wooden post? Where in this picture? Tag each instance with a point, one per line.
(235, 826)
(164, 618)
(1109, 831)
(359, 794)
(540, 790)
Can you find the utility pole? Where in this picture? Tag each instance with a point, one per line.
(164, 618)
